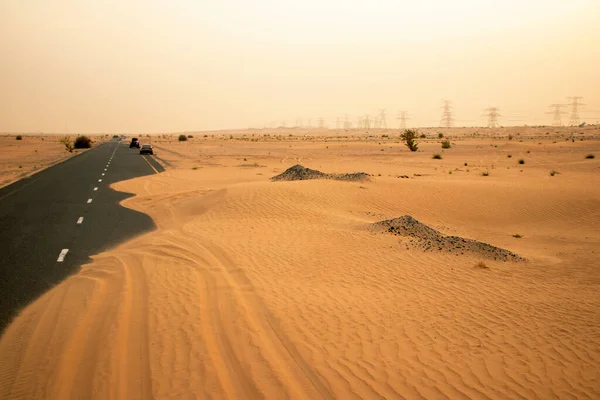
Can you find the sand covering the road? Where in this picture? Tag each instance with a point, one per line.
(251, 288)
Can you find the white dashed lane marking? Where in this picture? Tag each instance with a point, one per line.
(99, 180)
(80, 220)
(89, 201)
(62, 255)
(95, 189)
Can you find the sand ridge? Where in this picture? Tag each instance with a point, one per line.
(256, 289)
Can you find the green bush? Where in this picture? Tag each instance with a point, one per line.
(82, 142)
(409, 136)
(440, 135)
(19, 137)
(446, 144)
(190, 136)
(521, 161)
(182, 138)
(486, 173)
(437, 157)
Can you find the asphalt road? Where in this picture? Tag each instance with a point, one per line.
(67, 206)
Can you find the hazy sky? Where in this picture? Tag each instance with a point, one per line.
(180, 65)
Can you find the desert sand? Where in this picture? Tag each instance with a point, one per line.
(251, 288)
(33, 153)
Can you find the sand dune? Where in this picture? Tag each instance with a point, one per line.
(258, 289)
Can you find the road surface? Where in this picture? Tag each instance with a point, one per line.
(51, 222)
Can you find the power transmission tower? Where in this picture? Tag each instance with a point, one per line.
(382, 121)
(337, 123)
(321, 122)
(447, 120)
(347, 123)
(575, 103)
(492, 114)
(367, 121)
(402, 117)
(557, 113)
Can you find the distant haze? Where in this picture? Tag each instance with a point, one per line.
(179, 65)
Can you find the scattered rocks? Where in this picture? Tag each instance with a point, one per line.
(300, 173)
(428, 239)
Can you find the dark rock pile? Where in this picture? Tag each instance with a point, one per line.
(300, 173)
(428, 239)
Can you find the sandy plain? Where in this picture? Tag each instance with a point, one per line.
(31, 154)
(250, 288)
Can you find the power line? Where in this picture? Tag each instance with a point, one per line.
(575, 103)
(402, 117)
(447, 120)
(492, 114)
(557, 113)
(382, 121)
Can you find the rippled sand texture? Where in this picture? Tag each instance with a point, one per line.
(258, 289)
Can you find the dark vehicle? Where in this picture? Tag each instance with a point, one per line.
(147, 149)
(134, 143)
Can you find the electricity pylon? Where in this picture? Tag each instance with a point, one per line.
(557, 113)
(575, 103)
(402, 117)
(492, 113)
(447, 120)
(382, 123)
(321, 122)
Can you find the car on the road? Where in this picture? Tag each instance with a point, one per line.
(147, 149)
(134, 143)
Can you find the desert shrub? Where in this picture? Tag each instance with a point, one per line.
(440, 135)
(409, 137)
(486, 173)
(481, 265)
(509, 156)
(446, 144)
(422, 136)
(518, 236)
(182, 138)
(66, 141)
(521, 161)
(437, 157)
(552, 173)
(115, 136)
(82, 142)
(190, 136)
(510, 137)
(466, 164)
(590, 156)
(19, 137)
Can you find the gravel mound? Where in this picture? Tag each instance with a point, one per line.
(428, 239)
(300, 173)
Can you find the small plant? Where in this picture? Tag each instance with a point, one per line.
(409, 136)
(182, 138)
(590, 156)
(440, 135)
(82, 142)
(20, 166)
(66, 141)
(486, 173)
(19, 137)
(115, 136)
(509, 156)
(446, 144)
(437, 157)
(422, 136)
(518, 236)
(481, 265)
(510, 137)
(521, 161)
(190, 136)
(552, 173)
(466, 164)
